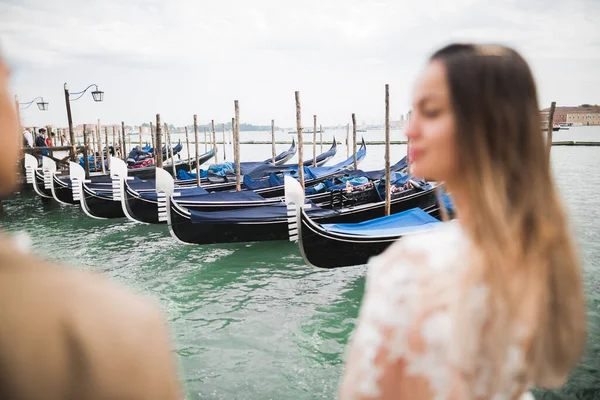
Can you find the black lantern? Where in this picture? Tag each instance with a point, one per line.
(98, 95)
(42, 105)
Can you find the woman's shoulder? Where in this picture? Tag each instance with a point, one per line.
(435, 250)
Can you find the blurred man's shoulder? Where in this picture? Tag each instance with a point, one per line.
(62, 289)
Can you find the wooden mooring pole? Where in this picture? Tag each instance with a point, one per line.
(123, 134)
(314, 141)
(550, 125)
(300, 140)
(321, 137)
(214, 140)
(236, 146)
(388, 188)
(187, 142)
(107, 146)
(224, 145)
(86, 161)
(347, 140)
(158, 148)
(153, 136)
(354, 140)
(197, 150)
(273, 155)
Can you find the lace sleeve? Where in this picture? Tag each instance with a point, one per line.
(404, 345)
(394, 349)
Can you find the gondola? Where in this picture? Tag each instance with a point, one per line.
(269, 222)
(147, 172)
(327, 245)
(62, 187)
(96, 203)
(35, 175)
(260, 170)
(143, 207)
(269, 188)
(283, 157)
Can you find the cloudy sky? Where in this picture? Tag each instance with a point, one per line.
(181, 57)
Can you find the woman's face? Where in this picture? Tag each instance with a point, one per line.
(432, 127)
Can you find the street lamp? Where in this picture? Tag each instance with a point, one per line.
(97, 95)
(42, 105)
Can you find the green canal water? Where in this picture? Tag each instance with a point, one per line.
(251, 321)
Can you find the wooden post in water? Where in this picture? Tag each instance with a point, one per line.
(314, 140)
(232, 129)
(214, 140)
(71, 132)
(152, 136)
(197, 150)
(187, 142)
(170, 148)
(236, 146)
(321, 136)
(388, 177)
(141, 145)
(100, 152)
(224, 145)
(86, 162)
(273, 155)
(408, 118)
(114, 142)
(354, 140)
(94, 148)
(107, 146)
(158, 148)
(347, 140)
(300, 140)
(205, 142)
(550, 125)
(124, 149)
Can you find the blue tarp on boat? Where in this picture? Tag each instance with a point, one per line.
(191, 193)
(218, 197)
(184, 175)
(272, 213)
(309, 173)
(409, 221)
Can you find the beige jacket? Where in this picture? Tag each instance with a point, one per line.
(74, 335)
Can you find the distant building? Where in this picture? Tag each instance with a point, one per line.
(587, 115)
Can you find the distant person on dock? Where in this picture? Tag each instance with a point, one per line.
(491, 304)
(27, 138)
(66, 334)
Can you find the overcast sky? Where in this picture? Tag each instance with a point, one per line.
(181, 57)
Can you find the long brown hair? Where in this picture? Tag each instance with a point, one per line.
(515, 217)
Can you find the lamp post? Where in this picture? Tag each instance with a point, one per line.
(97, 95)
(42, 105)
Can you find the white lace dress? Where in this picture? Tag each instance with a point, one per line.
(405, 344)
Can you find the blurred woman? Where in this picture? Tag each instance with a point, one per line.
(490, 305)
(66, 334)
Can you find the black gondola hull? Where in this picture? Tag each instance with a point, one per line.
(325, 249)
(185, 230)
(101, 207)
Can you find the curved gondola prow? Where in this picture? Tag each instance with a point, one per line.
(31, 164)
(165, 187)
(77, 175)
(48, 169)
(118, 174)
(294, 198)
